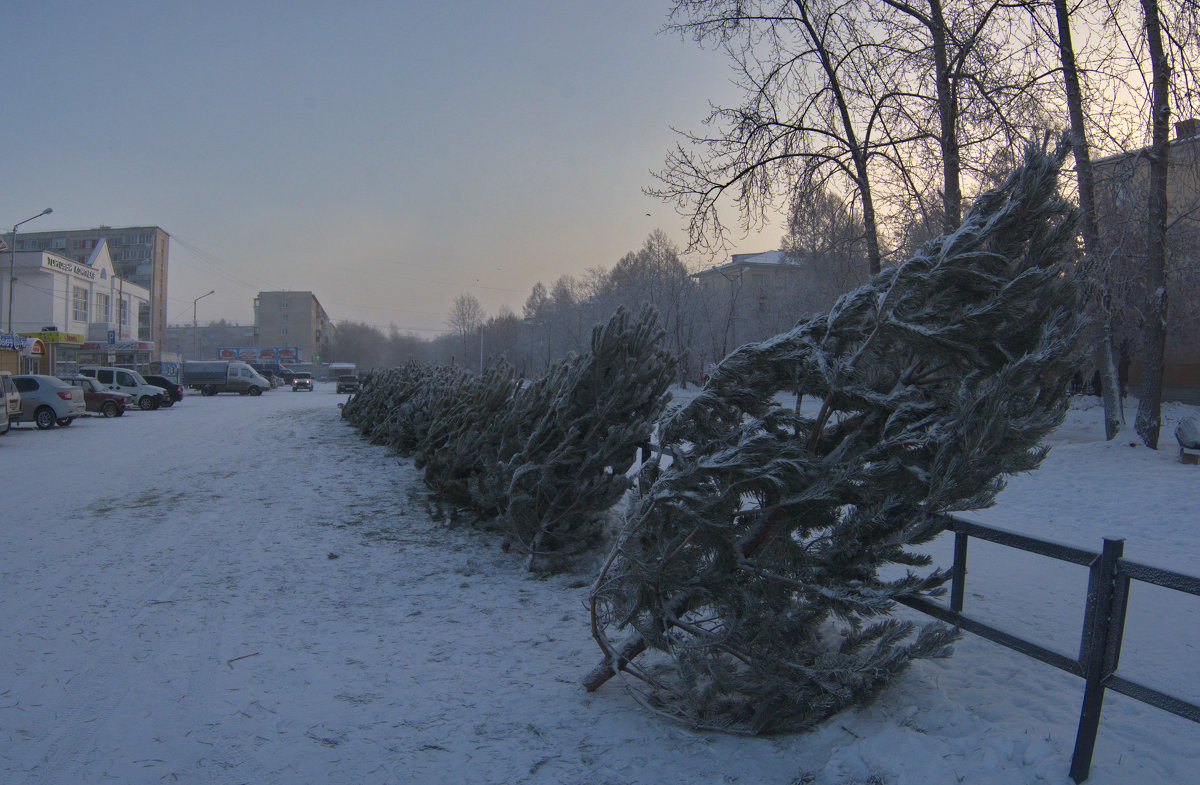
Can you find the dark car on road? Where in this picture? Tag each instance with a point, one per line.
(347, 384)
(96, 399)
(174, 389)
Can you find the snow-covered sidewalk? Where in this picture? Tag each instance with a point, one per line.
(242, 590)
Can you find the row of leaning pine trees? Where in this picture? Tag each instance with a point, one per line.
(748, 568)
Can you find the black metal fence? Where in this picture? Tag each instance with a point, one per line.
(1109, 581)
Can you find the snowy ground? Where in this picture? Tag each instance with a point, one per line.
(239, 590)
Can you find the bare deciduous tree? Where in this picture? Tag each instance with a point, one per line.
(877, 101)
(465, 317)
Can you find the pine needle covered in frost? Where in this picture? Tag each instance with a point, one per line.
(753, 561)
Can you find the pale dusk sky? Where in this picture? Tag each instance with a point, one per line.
(387, 156)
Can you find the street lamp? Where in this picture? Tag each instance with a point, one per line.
(195, 328)
(12, 257)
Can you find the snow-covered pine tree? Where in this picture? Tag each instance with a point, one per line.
(547, 458)
(380, 393)
(580, 428)
(763, 561)
(464, 439)
(375, 410)
(424, 395)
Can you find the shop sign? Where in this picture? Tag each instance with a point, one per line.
(118, 346)
(14, 343)
(50, 336)
(258, 353)
(79, 270)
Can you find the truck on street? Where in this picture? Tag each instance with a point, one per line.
(213, 376)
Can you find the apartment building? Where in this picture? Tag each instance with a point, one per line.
(139, 255)
(1121, 206)
(756, 295)
(292, 319)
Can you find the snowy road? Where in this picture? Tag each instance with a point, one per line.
(172, 613)
(239, 590)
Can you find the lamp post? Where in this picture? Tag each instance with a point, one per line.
(195, 325)
(12, 258)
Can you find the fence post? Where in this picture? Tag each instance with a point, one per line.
(1092, 650)
(958, 578)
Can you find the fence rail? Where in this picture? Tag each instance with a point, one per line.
(1109, 579)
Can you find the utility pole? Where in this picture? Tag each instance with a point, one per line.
(196, 325)
(12, 258)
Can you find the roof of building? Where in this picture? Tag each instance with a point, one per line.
(742, 261)
(1187, 132)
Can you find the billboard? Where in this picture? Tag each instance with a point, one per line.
(287, 354)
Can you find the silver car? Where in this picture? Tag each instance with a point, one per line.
(47, 401)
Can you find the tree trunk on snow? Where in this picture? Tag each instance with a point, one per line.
(1087, 214)
(1149, 414)
(948, 116)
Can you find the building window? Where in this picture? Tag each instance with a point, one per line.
(283, 332)
(79, 304)
(124, 308)
(101, 311)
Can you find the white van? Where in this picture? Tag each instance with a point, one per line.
(145, 395)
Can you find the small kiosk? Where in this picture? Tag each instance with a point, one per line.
(53, 353)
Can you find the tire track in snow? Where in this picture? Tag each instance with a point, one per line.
(65, 737)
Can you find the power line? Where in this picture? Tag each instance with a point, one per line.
(435, 282)
(210, 260)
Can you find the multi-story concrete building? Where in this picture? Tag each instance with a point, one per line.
(139, 255)
(200, 342)
(756, 295)
(1122, 196)
(292, 319)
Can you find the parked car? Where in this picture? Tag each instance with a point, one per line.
(8, 391)
(110, 403)
(285, 373)
(47, 401)
(145, 395)
(271, 371)
(302, 381)
(4, 425)
(270, 376)
(347, 384)
(174, 390)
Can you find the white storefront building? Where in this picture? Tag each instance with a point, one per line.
(71, 303)
(54, 291)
